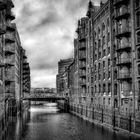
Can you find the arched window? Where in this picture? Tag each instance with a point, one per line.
(109, 101)
(103, 75)
(115, 74)
(103, 64)
(103, 101)
(104, 88)
(99, 76)
(99, 66)
(115, 103)
(95, 46)
(138, 19)
(109, 87)
(99, 88)
(115, 89)
(99, 43)
(95, 66)
(108, 62)
(95, 34)
(103, 26)
(95, 89)
(98, 30)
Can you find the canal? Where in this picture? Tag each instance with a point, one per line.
(47, 122)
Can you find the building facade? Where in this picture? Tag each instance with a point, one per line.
(60, 78)
(11, 66)
(106, 58)
(43, 92)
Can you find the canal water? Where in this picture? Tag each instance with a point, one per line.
(47, 122)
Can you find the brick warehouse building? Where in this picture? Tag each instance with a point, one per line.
(103, 80)
(60, 80)
(14, 76)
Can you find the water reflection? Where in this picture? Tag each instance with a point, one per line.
(46, 122)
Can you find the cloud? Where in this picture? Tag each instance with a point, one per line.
(47, 29)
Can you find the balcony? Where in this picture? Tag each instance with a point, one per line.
(123, 15)
(2, 4)
(8, 79)
(82, 56)
(124, 76)
(126, 48)
(25, 68)
(82, 46)
(123, 33)
(10, 15)
(9, 50)
(9, 38)
(24, 56)
(9, 62)
(25, 63)
(120, 2)
(82, 83)
(26, 73)
(11, 27)
(82, 37)
(124, 62)
(82, 66)
(82, 74)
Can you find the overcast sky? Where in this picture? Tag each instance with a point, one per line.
(47, 29)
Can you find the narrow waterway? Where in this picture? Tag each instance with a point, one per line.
(46, 122)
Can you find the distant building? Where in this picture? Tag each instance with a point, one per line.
(26, 80)
(62, 66)
(40, 92)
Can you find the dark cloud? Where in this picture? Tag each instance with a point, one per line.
(47, 29)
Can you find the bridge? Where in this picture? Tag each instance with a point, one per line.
(47, 98)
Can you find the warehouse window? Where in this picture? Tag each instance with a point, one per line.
(104, 53)
(103, 75)
(99, 67)
(95, 89)
(103, 26)
(115, 103)
(99, 88)
(108, 62)
(115, 89)
(109, 87)
(99, 43)
(99, 76)
(98, 30)
(103, 40)
(104, 88)
(103, 64)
